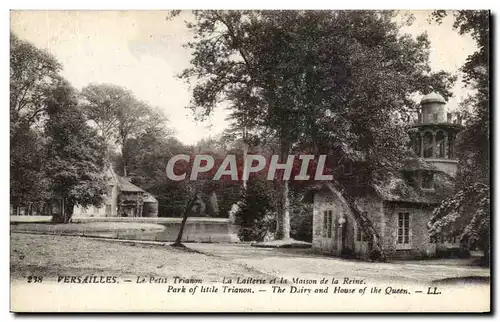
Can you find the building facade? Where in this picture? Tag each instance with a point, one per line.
(123, 199)
(391, 220)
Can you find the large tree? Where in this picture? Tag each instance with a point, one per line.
(119, 116)
(342, 80)
(33, 74)
(467, 213)
(75, 154)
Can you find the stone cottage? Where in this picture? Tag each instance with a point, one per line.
(123, 199)
(393, 218)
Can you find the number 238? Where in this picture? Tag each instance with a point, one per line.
(34, 279)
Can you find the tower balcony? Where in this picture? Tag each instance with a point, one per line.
(448, 166)
(450, 118)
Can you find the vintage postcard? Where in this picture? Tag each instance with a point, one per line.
(250, 161)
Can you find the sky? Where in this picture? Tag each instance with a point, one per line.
(142, 51)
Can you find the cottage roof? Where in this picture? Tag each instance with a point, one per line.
(128, 186)
(110, 174)
(397, 189)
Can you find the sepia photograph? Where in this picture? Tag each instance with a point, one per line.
(333, 161)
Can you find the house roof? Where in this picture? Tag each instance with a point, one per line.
(126, 185)
(112, 177)
(397, 189)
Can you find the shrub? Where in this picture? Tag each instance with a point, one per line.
(256, 215)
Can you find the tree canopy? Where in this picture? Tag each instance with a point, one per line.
(336, 81)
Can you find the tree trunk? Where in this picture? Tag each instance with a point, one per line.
(283, 220)
(64, 216)
(124, 156)
(68, 211)
(283, 231)
(178, 241)
(245, 153)
(58, 217)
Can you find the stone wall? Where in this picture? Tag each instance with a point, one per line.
(326, 237)
(420, 245)
(373, 208)
(384, 218)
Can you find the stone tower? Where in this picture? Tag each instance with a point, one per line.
(434, 136)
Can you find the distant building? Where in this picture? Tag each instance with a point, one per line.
(123, 199)
(393, 217)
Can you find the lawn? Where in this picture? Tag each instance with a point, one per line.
(83, 228)
(50, 255)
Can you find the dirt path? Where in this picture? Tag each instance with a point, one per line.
(302, 263)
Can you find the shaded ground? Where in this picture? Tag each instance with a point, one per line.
(290, 263)
(49, 256)
(290, 243)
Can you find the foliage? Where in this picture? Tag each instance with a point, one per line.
(33, 73)
(301, 219)
(467, 213)
(256, 210)
(75, 154)
(28, 183)
(313, 77)
(120, 116)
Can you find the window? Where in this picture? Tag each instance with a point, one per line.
(325, 222)
(427, 180)
(440, 144)
(330, 214)
(418, 144)
(428, 145)
(347, 167)
(404, 228)
(362, 236)
(435, 115)
(108, 210)
(451, 239)
(451, 146)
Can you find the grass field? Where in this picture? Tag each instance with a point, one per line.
(50, 255)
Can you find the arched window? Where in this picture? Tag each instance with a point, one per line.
(417, 146)
(440, 144)
(427, 180)
(428, 145)
(451, 146)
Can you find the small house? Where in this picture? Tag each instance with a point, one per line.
(392, 218)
